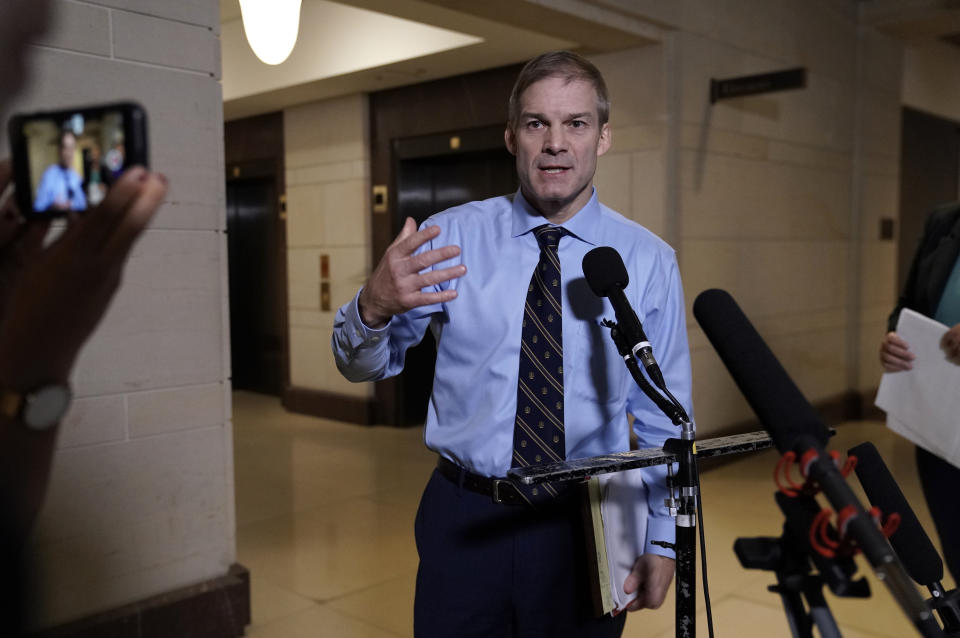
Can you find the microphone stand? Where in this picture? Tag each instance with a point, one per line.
(792, 559)
(684, 489)
(684, 486)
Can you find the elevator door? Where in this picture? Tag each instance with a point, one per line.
(256, 339)
(427, 185)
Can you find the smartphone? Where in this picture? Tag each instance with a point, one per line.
(67, 160)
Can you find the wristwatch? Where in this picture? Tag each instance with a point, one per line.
(39, 409)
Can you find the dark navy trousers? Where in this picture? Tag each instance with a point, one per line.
(489, 570)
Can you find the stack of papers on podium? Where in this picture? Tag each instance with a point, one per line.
(617, 526)
(923, 404)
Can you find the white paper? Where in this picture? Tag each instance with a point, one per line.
(624, 512)
(923, 404)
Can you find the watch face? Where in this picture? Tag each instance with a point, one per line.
(45, 407)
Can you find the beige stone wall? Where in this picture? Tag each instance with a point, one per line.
(141, 492)
(631, 177)
(876, 195)
(328, 213)
(779, 195)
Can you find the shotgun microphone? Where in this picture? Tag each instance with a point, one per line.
(910, 542)
(794, 426)
(913, 546)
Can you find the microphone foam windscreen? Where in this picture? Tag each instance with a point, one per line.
(778, 403)
(603, 267)
(913, 546)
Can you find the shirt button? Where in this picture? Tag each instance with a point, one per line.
(375, 339)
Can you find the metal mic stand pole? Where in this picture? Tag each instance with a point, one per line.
(684, 489)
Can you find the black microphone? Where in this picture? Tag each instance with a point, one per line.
(780, 406)
(913, 546)
(794, 426)
(910, 541)
(607, 277)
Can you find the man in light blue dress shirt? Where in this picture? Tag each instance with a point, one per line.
(60, 188)
(489, 568)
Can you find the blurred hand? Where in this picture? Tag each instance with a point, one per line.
(895, 354)
(52, 298)
(650, 578)
(395, 285)
(951, 343)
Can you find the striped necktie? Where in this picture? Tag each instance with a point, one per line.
(538, 429)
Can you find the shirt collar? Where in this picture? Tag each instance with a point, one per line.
(584, 224)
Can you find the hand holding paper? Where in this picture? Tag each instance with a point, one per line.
(922, 403)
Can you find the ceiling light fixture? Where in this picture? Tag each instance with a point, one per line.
(271, 27)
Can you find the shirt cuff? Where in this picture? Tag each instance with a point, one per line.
(660, 529)
(358, 333)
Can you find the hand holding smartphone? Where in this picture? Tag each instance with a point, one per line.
(66, 161)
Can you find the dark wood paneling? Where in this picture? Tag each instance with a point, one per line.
(929, 168)
(254, 149)
(218, 608)
(451, 106)
(254, 138)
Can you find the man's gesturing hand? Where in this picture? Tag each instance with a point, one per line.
(395, 284)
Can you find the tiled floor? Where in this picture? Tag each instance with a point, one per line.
(325, 525)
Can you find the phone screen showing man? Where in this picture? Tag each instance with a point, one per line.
(73, 161)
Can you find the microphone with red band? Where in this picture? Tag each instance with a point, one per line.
(795, 426)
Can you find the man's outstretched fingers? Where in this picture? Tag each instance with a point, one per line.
(408, 230)
(432, 257)
(434, 277)
(408, 243)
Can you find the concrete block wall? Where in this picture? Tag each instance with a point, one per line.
(876, 196)
(327, 152)
(141, 492)
(631, 176)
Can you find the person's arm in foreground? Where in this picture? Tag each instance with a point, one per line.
(51, 299)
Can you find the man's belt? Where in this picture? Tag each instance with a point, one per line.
(501, 490)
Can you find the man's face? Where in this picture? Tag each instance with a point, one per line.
(557, 141)
(68, 145)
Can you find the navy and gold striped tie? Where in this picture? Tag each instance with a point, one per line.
(538, 429)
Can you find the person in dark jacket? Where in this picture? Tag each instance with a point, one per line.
(933, 289)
